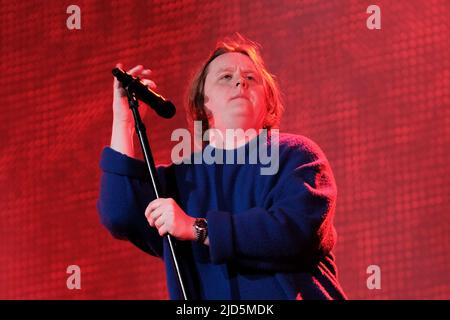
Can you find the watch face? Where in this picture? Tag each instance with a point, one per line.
(200, 223)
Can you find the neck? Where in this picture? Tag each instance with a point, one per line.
(231, 138)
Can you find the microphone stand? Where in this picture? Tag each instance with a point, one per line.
(140, 130)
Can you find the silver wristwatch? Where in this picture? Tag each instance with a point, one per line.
(201, 229)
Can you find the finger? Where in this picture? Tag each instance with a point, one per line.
(151, 221)
(162, 231)
(149, 217)
(157, 213)
(159, 222)
(147, 211)
(146, 72)
(152, 216)
(136, 70)
(149, 83)
(152, 206)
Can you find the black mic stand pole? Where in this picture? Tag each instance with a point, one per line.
(140, 130)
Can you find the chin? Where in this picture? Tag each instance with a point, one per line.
(243, 126)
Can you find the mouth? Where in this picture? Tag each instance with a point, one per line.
(239, 97)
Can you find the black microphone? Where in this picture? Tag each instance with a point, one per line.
(163, 107)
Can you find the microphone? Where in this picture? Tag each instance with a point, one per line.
(164, 108)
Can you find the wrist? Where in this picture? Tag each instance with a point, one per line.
(122, 137)
(128, 124)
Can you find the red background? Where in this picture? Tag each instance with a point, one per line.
(376, 101)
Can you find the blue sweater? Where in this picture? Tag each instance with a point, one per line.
(270, 235)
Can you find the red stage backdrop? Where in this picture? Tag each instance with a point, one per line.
(376, 101)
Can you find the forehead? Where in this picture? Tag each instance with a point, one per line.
(231, 60)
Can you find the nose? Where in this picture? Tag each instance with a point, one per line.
(241, 82)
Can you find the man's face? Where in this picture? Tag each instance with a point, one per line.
(234, 93)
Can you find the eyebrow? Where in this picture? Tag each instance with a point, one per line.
(232, 69)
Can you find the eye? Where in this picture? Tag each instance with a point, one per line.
(226, 76)
(251, 77)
